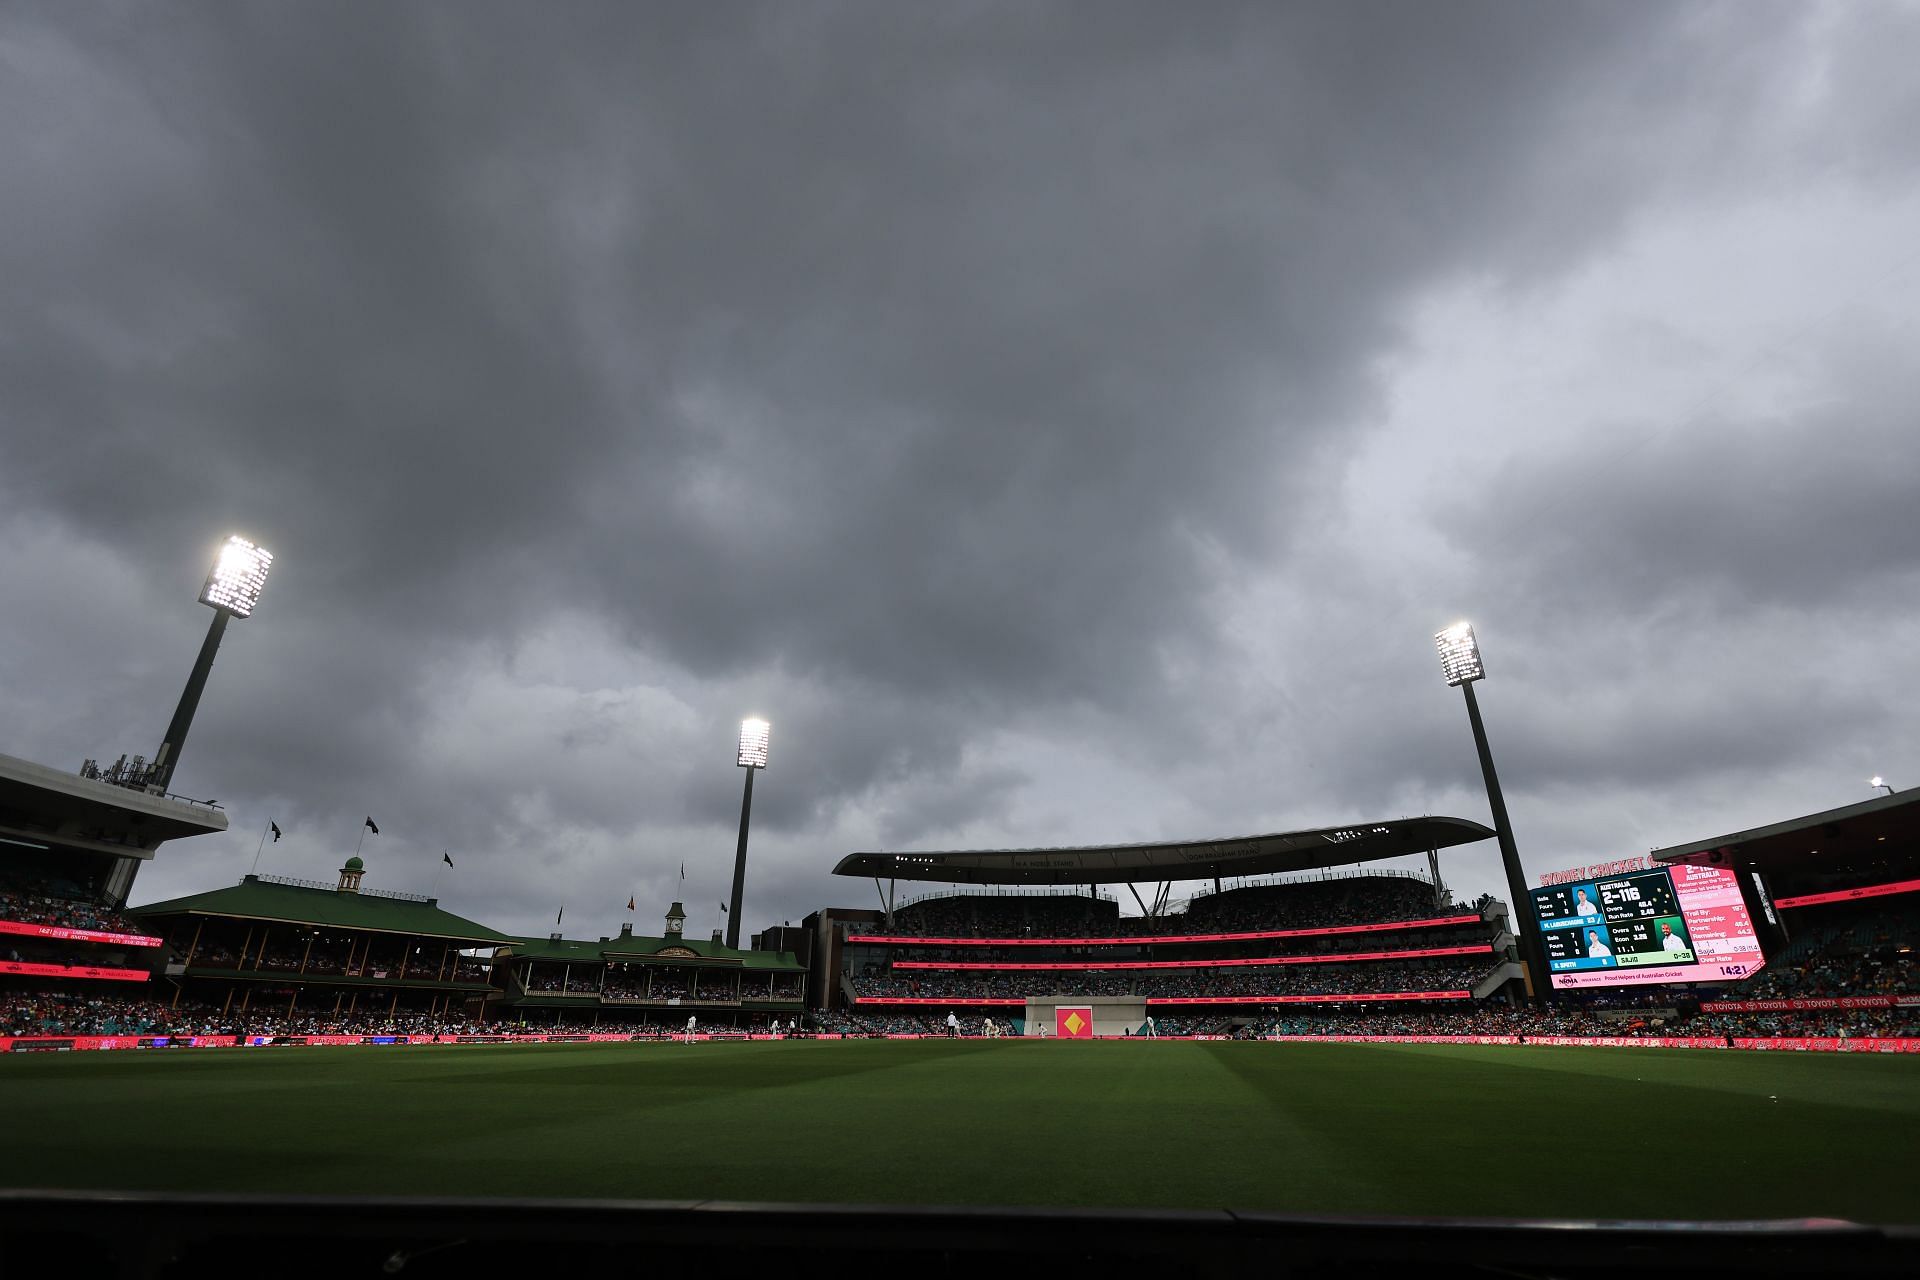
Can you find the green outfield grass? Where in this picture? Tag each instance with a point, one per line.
(1308, 1128)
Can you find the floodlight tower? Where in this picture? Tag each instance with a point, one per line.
(232, 591)
(1460, 660)
(752, 758)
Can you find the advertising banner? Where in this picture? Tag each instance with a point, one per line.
(1322, 999)
(1065, 1018)
(74, 971)
(1854, 1044)
(1808, 1003)
(941, 1000)
(1849, 895)
(22, 1044)
(1862, 1044)
(63, 934)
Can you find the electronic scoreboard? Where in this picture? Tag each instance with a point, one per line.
(1680, 923)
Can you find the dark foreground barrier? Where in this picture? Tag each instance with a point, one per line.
(137, 1236)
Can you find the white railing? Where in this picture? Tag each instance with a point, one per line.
(1315, 877)
(395, 894)
(1003, 891)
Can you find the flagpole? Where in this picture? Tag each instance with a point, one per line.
(257, 848)
(362, 840)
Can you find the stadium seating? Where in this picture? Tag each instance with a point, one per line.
(1338, 937)
(41, 905)
(1867, 955)
(1314, 903)
(1209, 983)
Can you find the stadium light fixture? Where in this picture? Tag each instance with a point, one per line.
(1877, 781)
(1460, 654)
(232, 590)
(752, 757)
(753, 743)
(1460, 660)
(236, 578)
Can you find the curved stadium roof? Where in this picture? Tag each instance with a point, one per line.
(1174, 859)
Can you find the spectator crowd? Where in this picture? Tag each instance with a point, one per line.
(1251, 981)
(1366, 899)
(85, 1013)
(42, 906)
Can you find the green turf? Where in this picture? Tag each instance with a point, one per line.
(1310, 1128)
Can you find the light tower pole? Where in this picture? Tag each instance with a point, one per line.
(1460, 660)
(752, 758)
(232, 590)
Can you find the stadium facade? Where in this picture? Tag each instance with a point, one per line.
(277, 946)
(304, 950)
(1298, 934)
(1313, 928)
(70, 847)
(273, 952)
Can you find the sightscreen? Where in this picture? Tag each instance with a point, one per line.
(1665, 924)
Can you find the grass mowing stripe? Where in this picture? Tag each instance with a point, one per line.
(1876, 1082)
(1586, 1136)
(1483, 1131)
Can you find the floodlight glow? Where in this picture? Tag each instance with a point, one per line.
(1876, 781)
(237, 577)
(1460, 654)
(753, 743)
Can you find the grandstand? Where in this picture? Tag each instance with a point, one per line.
(1227, 962)
(290, 957)
(89, 831)
(633, 981)
(284, 954)
(70, 847)
(1840, 894)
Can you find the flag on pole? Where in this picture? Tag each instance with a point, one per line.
(723, 908)
(629, 904)
(446, 857)
(276, 831)
(558, 914)
(371, 827)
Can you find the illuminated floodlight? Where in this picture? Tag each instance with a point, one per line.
(1877, 781)
(753, 743)
(1460, 660)
(237, 577)
(1460, 654)
(753, 757)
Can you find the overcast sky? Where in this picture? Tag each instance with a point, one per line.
(1067, 423)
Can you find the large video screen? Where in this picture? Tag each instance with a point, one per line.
(1660, 924)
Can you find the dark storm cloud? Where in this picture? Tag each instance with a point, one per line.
(909, 374)
(1735, 516)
